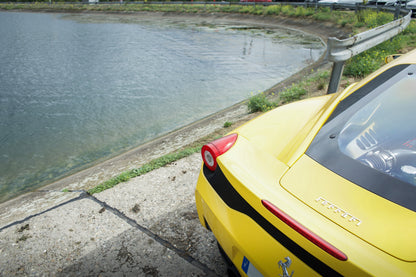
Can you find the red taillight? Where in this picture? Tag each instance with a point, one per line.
(327, 247)
(212, 150)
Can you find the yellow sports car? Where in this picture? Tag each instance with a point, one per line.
(324, 186)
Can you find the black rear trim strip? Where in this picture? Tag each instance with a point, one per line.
(235, 201)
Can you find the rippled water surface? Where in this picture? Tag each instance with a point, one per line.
(78, 88)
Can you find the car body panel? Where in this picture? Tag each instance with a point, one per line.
(234, 232)
(268, 162)
(354, 208)
(291, 128)
(296, 120)
(241, 236)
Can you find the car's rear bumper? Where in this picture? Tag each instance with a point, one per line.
(246, 238)
(250, 248)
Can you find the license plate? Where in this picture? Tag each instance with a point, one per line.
(249, 269)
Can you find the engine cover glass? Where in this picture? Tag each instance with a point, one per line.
(370, 138)
(382, 134)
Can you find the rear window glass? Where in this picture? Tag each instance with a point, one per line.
(370, 138)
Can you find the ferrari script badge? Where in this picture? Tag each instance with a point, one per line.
(338, 210)
(284, 266)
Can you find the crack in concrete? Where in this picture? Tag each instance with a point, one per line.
(128, 220)
(160, 240)
(83, 195)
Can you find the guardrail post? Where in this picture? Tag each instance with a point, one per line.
(357, 8)
(397, 12)
(336, 74)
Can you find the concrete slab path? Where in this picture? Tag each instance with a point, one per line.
(147, 226)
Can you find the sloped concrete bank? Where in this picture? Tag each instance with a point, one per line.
(147, 226)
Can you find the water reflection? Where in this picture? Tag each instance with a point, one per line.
(247, 47)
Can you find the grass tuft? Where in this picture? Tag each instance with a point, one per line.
(152, 165)
(260, 103)
(227, 124)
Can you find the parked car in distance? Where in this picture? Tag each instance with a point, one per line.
(350, 2)
(255, 0)
(386, 2)
(411, 5)
(340, 2)
(391, 2)
(320, 187)
(327, 2)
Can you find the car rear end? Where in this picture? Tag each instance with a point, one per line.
(258, 242)
(268, 225)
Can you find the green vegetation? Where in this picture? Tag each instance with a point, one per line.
(372, 59)
(294, 92)
(340, 18)
(152, 165)
(357, 67)
(260, 103)
(158, 162)
(317, 81)
(371, 19)
(227, 124)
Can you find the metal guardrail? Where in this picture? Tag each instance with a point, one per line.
(340, 51)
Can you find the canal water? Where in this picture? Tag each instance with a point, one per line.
(75, 89)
